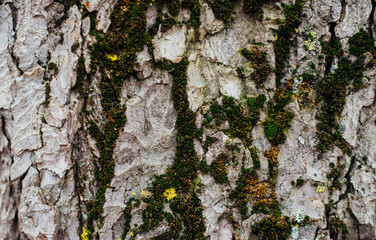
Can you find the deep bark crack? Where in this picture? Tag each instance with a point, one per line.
(349, 186)
(14, 21)
(343, 10)
(332, 30)
(3, 129)
(371, 18)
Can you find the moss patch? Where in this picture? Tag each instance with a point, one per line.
(284, 34)
(254, 7)
(260, 65)
(241, 117)
(222, 9)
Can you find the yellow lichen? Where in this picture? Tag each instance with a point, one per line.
(320, 189)
(85, 234)
(170, 194)
(113, 57)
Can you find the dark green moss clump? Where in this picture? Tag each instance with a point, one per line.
(47, 93)
(336, 225)
(334, 175)
(308, 78)
(82, 77)
(222, 9)
(255, 158)
(128, 216)
(194, 6)
(332, 91)
(284, 34)
(247, 178)
(241, 119)
(164, 21)
(218, 169)
(260, 65)
(362, 43)
(279, 119)
(299, 182)
(273, 228)
(209, 141)
(173, 6)
(254, 7)
(113, 55)
(332, 49)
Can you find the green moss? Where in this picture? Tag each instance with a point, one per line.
(173, 6)
(47, 92)
(128, 216)
(362, 43)
(308, 78)
(181, 174)
(247, 178)
(336, 225)
(194, 6)
(299, 182)
(53, 67)
(222, 9)
(125, 36)
(334, 176)
(191, 213)
(278, 120)
(240, 73)
(82, 77)
(240, 118)
(254, 8)
(44, 120)
(332, 91)
(260, 65)
(209, 141)
(164, 22)
(218, 169)
(284, 34)
(255, 159)
(273, 228)
(332, 49)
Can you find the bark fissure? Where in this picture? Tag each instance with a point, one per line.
(14, 28)
(332, 30)
(372, 18)
(343, 10)
(349, 185)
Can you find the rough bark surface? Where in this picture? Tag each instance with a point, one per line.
(47, 155)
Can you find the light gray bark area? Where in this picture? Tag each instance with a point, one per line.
(42, 146)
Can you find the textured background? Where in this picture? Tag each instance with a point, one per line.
(46, 151)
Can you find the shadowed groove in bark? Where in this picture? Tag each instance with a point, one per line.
(332, 27)
(371, 18)
(14, 25)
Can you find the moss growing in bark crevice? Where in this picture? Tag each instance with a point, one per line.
(222, 9)
(218, 169)
(254, 7)
(285, 32)
(241, 116)
(260, 66)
